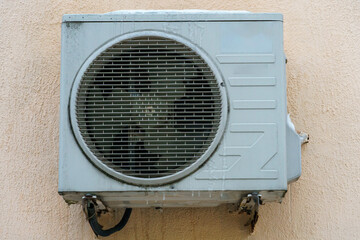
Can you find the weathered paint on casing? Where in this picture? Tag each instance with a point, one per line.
(247, 51)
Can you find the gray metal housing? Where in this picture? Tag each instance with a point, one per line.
(259, 148)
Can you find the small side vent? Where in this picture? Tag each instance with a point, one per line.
(148, 107)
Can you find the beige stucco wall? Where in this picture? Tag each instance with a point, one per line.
(322, 41)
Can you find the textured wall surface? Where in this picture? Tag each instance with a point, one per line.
(322, 45)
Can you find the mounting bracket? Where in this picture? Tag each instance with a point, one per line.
(250, 206)
(93, 207)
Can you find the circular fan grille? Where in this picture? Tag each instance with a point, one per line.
(148, 107)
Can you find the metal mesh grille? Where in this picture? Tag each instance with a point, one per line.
(148, 107)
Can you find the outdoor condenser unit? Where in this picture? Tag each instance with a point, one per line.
(175, 109)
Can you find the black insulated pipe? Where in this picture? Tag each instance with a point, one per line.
(98, 229)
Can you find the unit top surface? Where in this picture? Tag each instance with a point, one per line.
(172, 16)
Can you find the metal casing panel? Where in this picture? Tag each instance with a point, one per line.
(193, 15)
(249, 55)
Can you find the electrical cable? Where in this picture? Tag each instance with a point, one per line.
(98, 229)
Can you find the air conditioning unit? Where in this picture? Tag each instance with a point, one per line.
(175, 109)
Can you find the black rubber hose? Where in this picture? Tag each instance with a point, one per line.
(97, 228)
